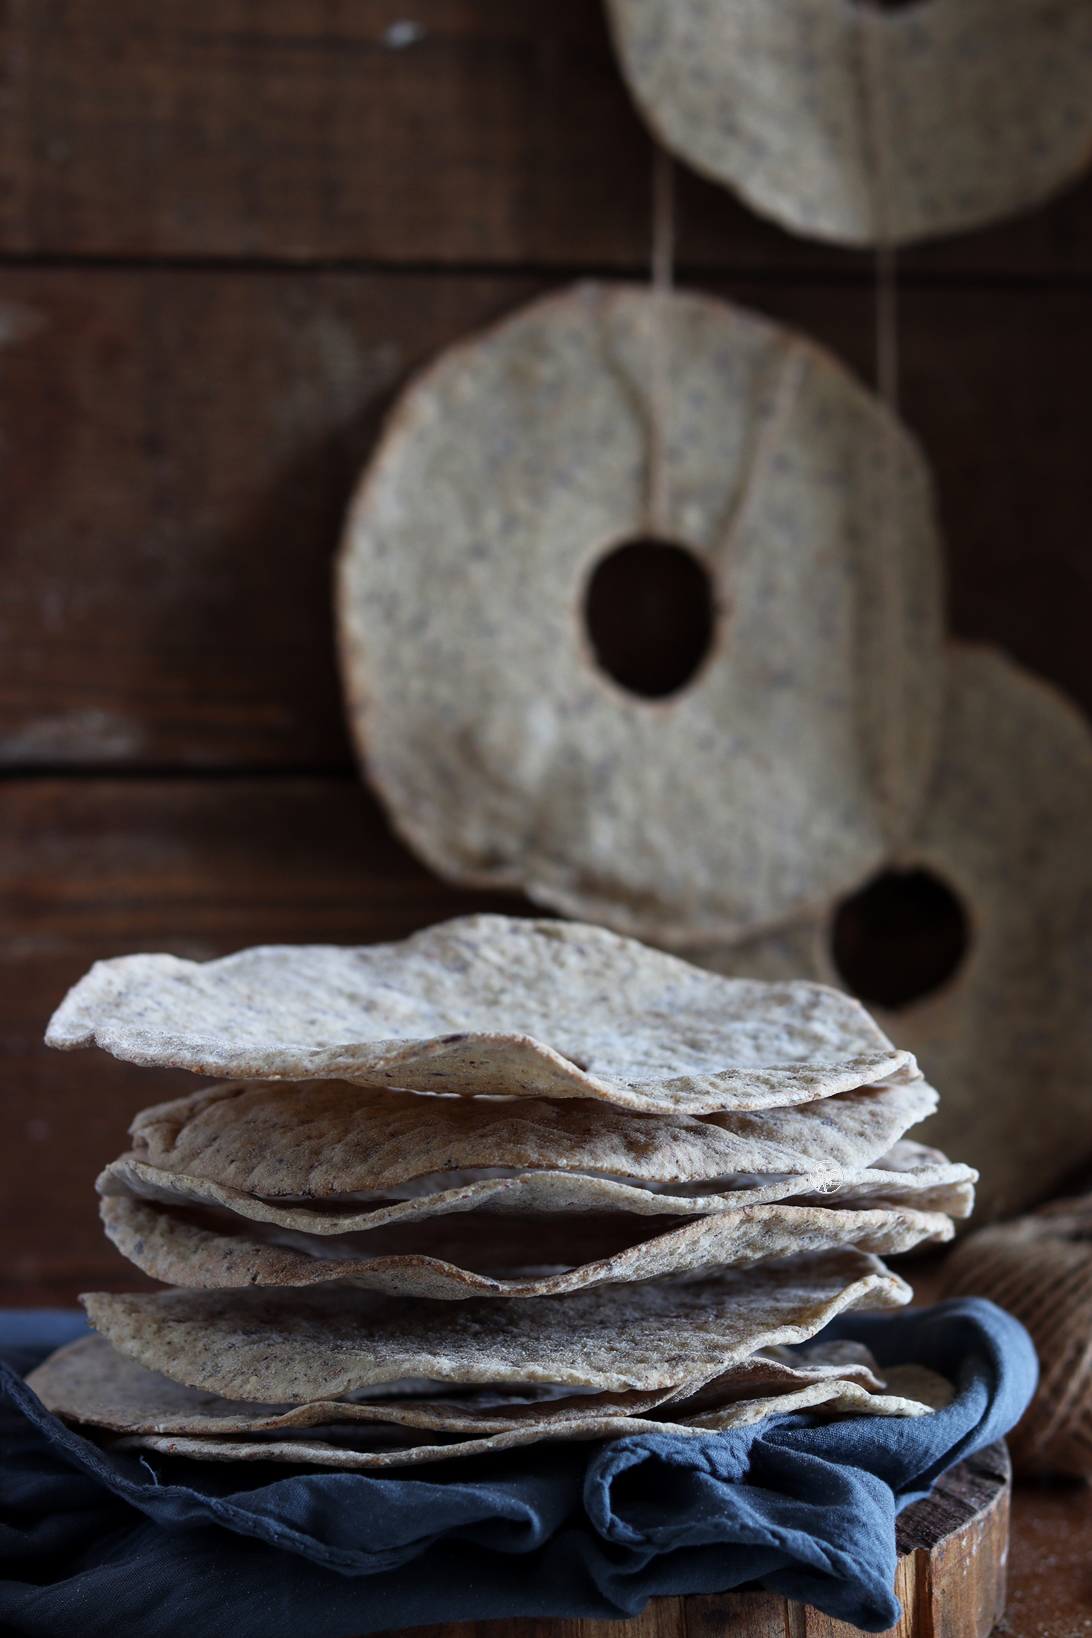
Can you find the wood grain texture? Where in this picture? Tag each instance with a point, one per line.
(662, 1618)
(950, 1580)
(498, 131)
(179, 451)
(958, 1540)
(90, 869)
(489, 130)
(180, 447)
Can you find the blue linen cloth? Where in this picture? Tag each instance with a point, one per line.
(108, 1546)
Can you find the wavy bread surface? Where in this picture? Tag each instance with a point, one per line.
(182, 1252)
(288, 1347)
(90, 1384)
(490, 1005)
(329, 1138)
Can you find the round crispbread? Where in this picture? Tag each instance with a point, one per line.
(92, 1385)
(290, 1347)
(982, 107)
(186, 1249)
(1009, 1036)
(505, 755)
(316, 1141)
(492, 1005)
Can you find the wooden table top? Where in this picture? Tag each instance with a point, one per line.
(1050, 1562)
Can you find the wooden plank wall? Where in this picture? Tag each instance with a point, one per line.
(229, 230)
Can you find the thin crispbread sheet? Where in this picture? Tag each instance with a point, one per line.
(90, 1382)
(487, 1005)
(282, 1347)
(322, 1139)
(909, 1390)
(832, 1398)
(181, 1252)
(983, 107)
(909, 1175)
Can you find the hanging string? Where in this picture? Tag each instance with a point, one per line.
(658, 499)
(887, 326)
(894, 749)
(878, 115)
(769, 438)
(790, 369)
(663, 220)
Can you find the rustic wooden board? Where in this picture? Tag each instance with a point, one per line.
(198, 867)
(950, 1580)
(180, 446)
(179, 451)
(500, 132)
(295, 131)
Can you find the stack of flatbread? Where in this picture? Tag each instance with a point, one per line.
(506, 1181)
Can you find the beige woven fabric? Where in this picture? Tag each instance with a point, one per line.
(505, 756)
(1040, 1269)
(986, 105)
